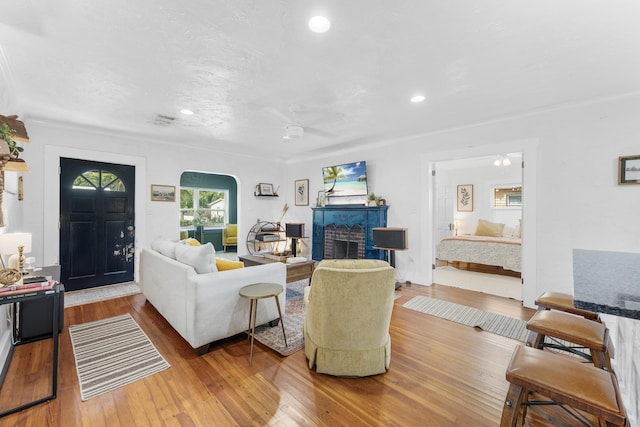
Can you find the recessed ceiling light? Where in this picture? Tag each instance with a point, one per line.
(417, 98)
(319, 24)
(186, 112)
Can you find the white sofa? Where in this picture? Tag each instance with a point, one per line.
(205, 307)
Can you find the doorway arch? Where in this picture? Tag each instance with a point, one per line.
(216, 182)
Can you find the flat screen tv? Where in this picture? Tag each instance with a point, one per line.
(349, 179)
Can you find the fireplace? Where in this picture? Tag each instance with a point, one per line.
(343, 242)
(355, 224)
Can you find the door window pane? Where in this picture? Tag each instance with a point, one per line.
(94, 179)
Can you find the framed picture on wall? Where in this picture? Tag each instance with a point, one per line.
(265, 189)
(465, 198)
(301, 188)
(163, 193)
(629, 170)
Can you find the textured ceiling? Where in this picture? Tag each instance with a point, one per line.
(248, 68)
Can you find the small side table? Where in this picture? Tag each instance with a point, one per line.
(257, 292)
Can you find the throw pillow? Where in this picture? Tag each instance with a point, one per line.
(191, 242)
(165, 247)
(508, 231)
(201, 258)
(488, 228)
(226, 264)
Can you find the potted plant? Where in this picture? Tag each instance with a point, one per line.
(374, 200)
(6, 133)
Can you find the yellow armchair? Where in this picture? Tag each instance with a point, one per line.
(347, 317)
(230, 236)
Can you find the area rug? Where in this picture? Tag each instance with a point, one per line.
(100, 293)
(495, 323)
(293, 320)
(111, 353)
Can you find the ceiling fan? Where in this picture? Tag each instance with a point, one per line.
(293, 129)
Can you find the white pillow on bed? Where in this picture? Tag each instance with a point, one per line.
(518, 232)
(509, 231)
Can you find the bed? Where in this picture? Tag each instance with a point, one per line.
(486, 254)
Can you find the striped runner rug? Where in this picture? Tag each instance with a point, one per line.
(111, 353)
(495, 323)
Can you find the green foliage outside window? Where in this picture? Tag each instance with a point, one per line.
(209, 209)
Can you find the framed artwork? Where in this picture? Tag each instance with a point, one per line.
(301, 188)
(163, 193)
(629, 170)
(465, 198)
(265, 189)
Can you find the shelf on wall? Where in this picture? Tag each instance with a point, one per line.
(265, 195)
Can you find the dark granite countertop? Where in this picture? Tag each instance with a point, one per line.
(607, 282)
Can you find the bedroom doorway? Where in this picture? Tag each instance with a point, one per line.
(483, 181)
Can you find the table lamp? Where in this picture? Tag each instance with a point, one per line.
(294, 231)
(16, 244)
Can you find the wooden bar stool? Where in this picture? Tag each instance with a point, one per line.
(563, 302)
(585, 334)
(257, 292)
(562, 382)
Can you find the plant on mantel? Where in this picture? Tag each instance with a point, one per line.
(375, 200)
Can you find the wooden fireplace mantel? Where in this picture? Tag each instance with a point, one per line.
(368, 217)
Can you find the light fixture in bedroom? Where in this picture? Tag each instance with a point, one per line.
(319, 24)
(502, 161)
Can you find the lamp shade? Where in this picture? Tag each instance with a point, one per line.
(294, 230)
(9, 243)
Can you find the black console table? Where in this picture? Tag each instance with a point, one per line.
(368, 217)
(53, 295)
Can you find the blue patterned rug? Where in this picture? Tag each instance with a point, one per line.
(293, 321)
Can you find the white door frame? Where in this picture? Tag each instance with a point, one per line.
(529, 149)
(52, 155)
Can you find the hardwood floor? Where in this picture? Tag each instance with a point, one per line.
(442, 374)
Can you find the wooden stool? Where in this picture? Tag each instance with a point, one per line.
(563, 302)
(586, 334)
(255, 293)
(562, 382)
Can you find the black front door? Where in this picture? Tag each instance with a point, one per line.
(96, 223)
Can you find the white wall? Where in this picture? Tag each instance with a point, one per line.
(161, 165)
(573, 202)
(483, 179)
(571, 195)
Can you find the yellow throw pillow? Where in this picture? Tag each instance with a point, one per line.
(488, 228)
(226, 264)
(192, 242)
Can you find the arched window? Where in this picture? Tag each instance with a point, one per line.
(98, 179)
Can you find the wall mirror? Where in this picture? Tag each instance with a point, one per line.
(506, 196)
